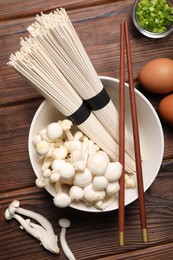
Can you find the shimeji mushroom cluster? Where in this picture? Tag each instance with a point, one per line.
(42, 229)
(75, 161)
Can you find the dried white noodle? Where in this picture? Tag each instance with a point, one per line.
(50, 64)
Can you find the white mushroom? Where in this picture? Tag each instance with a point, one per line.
(66, 125)
(65, 223)
(112, 188)
(43, 232)
(113, 172)
(46, 173)
(76, 155)
(67, 171)
(76, 193)
(85, 151)
(98, 163)
(130, 183)
(78, 135)
(91, 148)
(54, 177)
(57, 165)
(42, 147)
(126, 176)
(40, 182)
(83, 179)
(59, 152)
(36, 139)
(105, 203)
(75, 145)
(51, 149)
(61, 199)
(67, 181)
(92, 196)
(46, 163)
(99, 183)
(54, 130)
(43, 134)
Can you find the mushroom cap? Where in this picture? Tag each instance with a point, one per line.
(76, 156)
(68, 181)
(54, 177)
(99, 183)
(36, 139)
(78, 135)
(91, 195)
(43, 134)
(112, 188)
(42, 147)
(75, 145)
(98, 163)
(46, 173)
(60, 152)
(130, 183)
(57, 165)
(64, 222)
(76, 193)
(67, 171)
(54, 130)
(113, 172)
(11, 210)
(62, 200)
(40, 182)
(66, 124)
(83, 179)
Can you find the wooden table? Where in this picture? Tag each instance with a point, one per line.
(91, 236)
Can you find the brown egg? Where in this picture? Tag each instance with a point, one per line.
(166, 109)
(157, 76)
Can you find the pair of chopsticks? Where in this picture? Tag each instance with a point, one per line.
(125, 42)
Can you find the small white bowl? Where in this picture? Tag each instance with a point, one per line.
(147, 33)
(151, 139)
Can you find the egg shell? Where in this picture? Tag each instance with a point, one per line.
(157, 76)
(166, 109)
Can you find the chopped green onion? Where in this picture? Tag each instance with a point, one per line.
(154, 15)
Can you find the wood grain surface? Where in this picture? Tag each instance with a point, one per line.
(91, 236)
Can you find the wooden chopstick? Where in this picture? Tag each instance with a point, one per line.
(136, 139)
(121, 136)
(124, 36)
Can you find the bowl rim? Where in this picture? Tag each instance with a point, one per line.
(85, 208)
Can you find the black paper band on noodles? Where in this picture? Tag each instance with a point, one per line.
(98, 101)
(80, 115)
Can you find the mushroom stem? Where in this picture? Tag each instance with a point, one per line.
(26, 224)
(65, 223)
(61, 199)
(39, 218)
(104, 204)
(44, 232)
(66, 125)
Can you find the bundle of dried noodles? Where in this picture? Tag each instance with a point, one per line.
(54, 61)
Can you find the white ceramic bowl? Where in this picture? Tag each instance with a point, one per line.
(151, 138)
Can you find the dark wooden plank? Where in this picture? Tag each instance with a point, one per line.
(151, 253)
(28, 8)
(15, 168)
